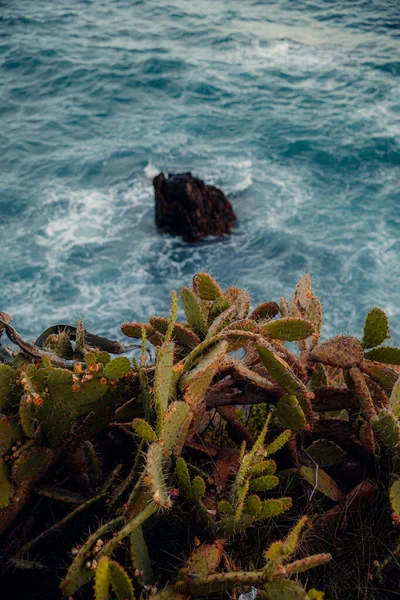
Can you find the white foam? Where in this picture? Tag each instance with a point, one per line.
(151, 170)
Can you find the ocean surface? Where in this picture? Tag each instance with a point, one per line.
(292, 107)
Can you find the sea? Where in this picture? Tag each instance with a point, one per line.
(291, 107)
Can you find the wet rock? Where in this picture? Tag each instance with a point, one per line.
(186, 206)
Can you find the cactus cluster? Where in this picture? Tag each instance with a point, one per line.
(227, 439)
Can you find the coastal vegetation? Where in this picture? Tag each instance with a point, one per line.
(233, 452)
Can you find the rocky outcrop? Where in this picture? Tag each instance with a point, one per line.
(186, 206)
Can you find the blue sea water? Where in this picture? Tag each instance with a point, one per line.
(292, 107)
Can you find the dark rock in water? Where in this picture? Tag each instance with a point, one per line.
(186, 206)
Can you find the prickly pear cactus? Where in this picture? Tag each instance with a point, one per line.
(216, 439)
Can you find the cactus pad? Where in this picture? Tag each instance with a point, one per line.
(342, 351)
(322, 482)
(287, 328)
(290, 413)
(326, 453)
(6, 488)
(117, 368)
(376, 328)
(206, 287)
(194, 312)
(8, 378)
(32, 464)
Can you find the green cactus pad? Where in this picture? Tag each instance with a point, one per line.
(102, 580)
(163, 377)
(183, 477)
(6, 488)
(198, 488)
(278, 368)
(274, 507)
(292, 540)
(32, 464)
(172, 425)
(205, 559)
(387, 428)
(222, 321)
(290, 329)
(120, 582)
(265, 467)
(78, 574)
(380, 373)
(86, 399)
(263, 483)
(8, 379)
(194, 312)
(110, 573)
(385, 354)
(278, 442)
(326, 453)
(155, 475)
(394, 497)
(180, 333)
(134, 330)
(252, 505)
(93, 468)
(242, 325)
(144, 430)
(342, 351)
(376, 328)
(26, 412)
(394, 400)
(140, 558)
(225, 508)
(319, 378)
(217, 307)
(63, 347)
(55, 420)
(197, 380)
(117, 368)
(265, 311)
(301, 294)
(206, 287)
(290, 413)
(314, 315)
(322, 482)
(10, 433)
